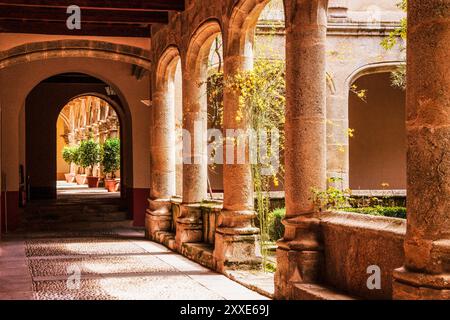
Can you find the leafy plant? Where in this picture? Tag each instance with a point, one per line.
(393, 212)
(70, 154)
(111, 156)
(333, 198)
(398, 76)
(88, 154)
(262, 103)
(276, 227)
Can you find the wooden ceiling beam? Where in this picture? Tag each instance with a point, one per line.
(88, 29)
(87, 15)
(132, 5)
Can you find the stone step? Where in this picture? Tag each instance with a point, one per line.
(318, 292)
(78, 226)
(199, 252)
(76, 216)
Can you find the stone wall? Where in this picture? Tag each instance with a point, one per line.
(355, 242)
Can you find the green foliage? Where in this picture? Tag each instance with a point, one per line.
(393, 212)
(215, 99)
(270, 267)
(276, 227)
(89, 154)
(110, 156)
(331, 199)
(76, 156)
(398, 76)
(262, 104)
(69, 154)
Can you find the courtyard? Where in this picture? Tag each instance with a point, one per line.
(235, 149)
(114, 265)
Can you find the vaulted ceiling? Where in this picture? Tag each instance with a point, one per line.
(129, 18)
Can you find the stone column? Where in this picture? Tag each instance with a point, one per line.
(236, 240)
(159, 217)
(299, 253)
(426, 273)
(195, 160)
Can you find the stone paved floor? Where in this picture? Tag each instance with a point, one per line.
(120, 265)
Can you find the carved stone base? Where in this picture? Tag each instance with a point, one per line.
(189, 225)
(299, 256)
(237, 252)
(158, 217)
(237, 242)
(418, 286)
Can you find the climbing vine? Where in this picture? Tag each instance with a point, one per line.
(262, 103)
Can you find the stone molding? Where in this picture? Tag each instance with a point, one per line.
(75, 48)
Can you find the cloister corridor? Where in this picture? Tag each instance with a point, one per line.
(272, 150)
(117, 265)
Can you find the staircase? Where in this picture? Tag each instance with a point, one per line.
(75, 213)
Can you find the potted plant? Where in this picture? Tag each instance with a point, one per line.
(89, 156)
(111, 162)
(68, 155)
(80, 177)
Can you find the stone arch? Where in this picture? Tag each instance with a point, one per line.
(75, 48)
(165, 172)
(377, 152)
(124, 124)
(166, 66)
(120, 106)
(377, 67)
(244, 17)
(200, 46)
(66, 120)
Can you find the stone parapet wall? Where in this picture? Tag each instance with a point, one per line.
(353, 243)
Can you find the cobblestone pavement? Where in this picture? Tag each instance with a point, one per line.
(112, 266)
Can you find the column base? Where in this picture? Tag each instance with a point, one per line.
(232, 252)
(419, 286)
(158, 217)
(300, 256)
(189, 225)
(237, 244)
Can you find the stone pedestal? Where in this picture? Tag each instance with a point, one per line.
(189, 225)
(426, 273)
(158, 218)
(299, 253)
(237, 241)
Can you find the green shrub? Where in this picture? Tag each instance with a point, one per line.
(393, 212)
(69, 154)
(111, 156)
(88, 154)
(276, 227)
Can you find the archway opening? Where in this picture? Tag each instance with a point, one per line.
(88, 149)
(214, 93)
(68, 111)
(255, 65)
(378, 145)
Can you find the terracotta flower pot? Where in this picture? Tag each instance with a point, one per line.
(81, 179)
(70, 177)
(92, 182)
(111, 185)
